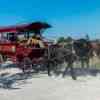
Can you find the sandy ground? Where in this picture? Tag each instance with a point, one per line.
(42, 87)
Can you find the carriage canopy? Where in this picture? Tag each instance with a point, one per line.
(35, 27)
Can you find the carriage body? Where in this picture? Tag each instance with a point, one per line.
(17, 52)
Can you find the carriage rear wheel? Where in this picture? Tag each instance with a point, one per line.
(1, 58)
(26, 64)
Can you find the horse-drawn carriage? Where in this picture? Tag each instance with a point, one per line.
(13, 48)
(16, 45)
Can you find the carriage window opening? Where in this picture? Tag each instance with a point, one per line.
(12, 37)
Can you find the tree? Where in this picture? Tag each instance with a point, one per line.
(68, 39)
(61, 39)
(87, 37)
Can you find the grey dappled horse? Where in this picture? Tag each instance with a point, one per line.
(56, 56)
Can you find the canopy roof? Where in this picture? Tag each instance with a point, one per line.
(35, 27)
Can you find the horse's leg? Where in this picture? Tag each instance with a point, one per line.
(82, 63)
(55, 69)
(70, 66)
(49, 69)
(65, 71)
(88, 62)
(72, 71)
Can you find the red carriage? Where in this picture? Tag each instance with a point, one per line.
(17, 51)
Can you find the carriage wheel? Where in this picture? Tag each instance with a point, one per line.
(26, 64)
(38, 65)
(1, 58)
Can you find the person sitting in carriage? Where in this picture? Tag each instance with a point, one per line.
(35, 41)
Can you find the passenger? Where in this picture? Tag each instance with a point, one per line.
(35, 41)
(41, 44)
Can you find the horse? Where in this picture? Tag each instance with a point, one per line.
(84, 51)
(96, 48)
(57, 55)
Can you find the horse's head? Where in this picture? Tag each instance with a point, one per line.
(82, 47)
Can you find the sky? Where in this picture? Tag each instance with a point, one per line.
(74, 18)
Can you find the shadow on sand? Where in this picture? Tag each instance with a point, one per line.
(8, 81)
(79, 72)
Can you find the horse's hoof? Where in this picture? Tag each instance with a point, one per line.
(74, 78)
(63, 75)
(49, 75)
